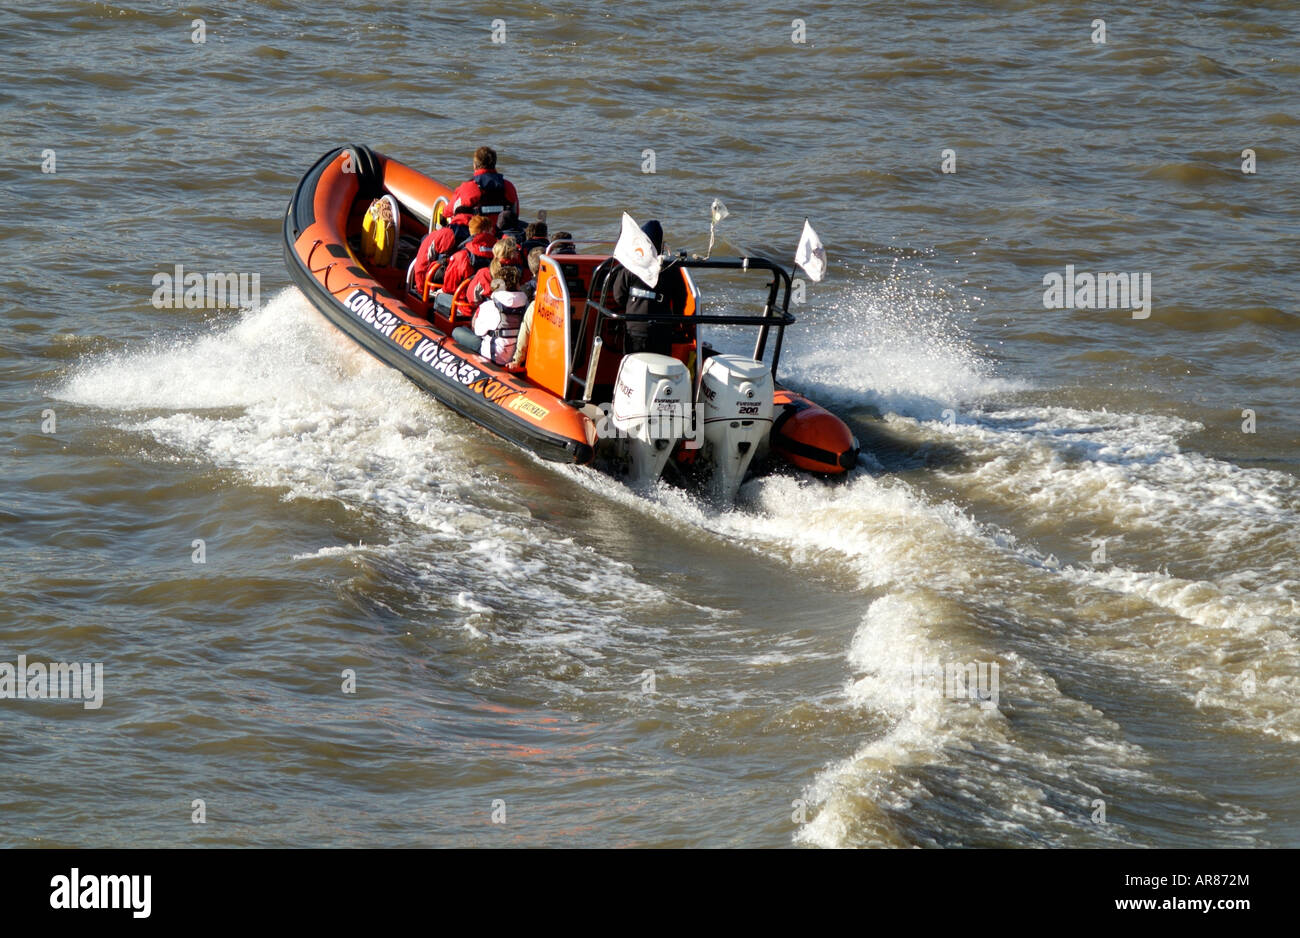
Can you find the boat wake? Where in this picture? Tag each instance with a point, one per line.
(988, 557)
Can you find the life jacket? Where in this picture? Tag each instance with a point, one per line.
(499, 343)
(491, 195)
(637, 293)
(479, 256)
(477, 253)
(644, 300)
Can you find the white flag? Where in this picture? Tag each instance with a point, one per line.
(810, 255)
(636, 252)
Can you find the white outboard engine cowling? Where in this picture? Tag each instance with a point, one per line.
(651, 409)
(737, 397)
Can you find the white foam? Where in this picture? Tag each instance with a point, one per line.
(1130, 465)
(896, 344)
(283, 399)
(284, 351)
(921, 738)
(345, 550)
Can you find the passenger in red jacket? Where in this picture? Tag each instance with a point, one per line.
(476, 254)
(488, 193)
(435, 247)
(505, 253)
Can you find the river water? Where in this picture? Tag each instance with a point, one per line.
(1096, 512)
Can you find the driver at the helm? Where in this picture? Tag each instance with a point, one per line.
(630, 294)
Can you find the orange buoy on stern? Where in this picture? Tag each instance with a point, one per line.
(810, 437)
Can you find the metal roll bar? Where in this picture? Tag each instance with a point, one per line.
(776, 310)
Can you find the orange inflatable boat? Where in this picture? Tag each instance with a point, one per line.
(695, 414)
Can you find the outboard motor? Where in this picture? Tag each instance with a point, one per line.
(737, 397)
(651, 409)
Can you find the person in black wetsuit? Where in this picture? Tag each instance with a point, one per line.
(630, 294)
